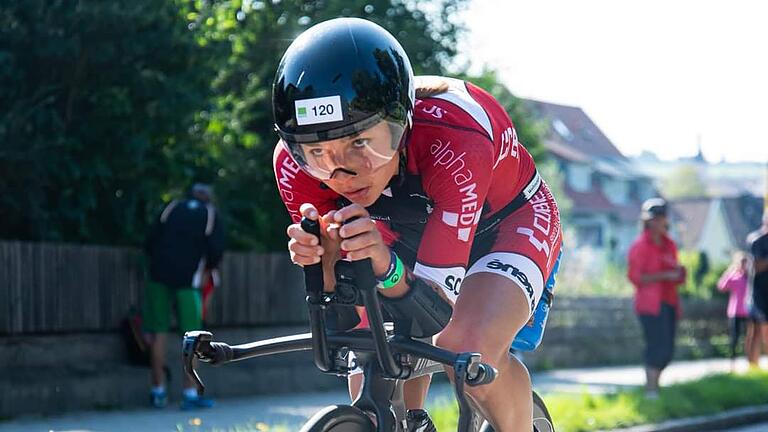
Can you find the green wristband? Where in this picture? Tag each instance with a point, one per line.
(395, 276)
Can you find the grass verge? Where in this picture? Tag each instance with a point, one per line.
(586, 412)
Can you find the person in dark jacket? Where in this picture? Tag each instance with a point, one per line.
(757, 242)
(185, 242)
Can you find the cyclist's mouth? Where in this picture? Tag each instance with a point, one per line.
(357, 194)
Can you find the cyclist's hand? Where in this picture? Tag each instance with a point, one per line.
(305, 248)
(361, 239)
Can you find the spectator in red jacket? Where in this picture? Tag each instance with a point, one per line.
(655, 272)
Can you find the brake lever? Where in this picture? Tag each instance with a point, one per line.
(196, 344)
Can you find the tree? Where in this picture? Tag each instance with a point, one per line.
(96, 102)
(528, 128)
(684, 182)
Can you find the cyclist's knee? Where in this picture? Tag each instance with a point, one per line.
(459, 338)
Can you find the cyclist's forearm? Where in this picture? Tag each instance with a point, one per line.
(329, 274)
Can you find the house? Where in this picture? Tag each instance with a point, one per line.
(717, 226)
(604, 187)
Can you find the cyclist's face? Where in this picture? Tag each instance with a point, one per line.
(360, 154)
(359, 166)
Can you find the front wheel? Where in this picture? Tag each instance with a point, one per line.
(542, 421)
(339, 418)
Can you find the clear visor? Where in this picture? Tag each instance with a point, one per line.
(361, 153)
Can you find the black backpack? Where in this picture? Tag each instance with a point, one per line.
(136, 347)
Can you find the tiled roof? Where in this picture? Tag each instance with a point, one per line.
(744, 215)
(595, 201)
(691, 215)
(571, 136)
(580, 133)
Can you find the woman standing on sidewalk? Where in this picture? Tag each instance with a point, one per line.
(734, 281)
(655, 272)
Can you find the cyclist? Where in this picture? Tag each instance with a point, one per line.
(434, 187)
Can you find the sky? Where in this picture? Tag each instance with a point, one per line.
(654, 75)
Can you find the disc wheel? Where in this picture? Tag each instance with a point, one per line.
(339, 418)
(542, 421)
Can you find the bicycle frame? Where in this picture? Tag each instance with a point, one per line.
(386, 359)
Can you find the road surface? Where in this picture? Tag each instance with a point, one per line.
(255, 413)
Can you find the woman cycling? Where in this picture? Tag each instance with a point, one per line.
(434, 185)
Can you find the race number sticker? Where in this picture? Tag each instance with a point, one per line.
(318, 110)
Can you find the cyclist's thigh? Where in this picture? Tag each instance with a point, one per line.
(524, 247)
(189, 309)
(156, 312)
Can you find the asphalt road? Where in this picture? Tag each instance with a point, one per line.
(291, 411)
(762, 427)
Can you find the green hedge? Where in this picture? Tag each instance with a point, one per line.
(702, 275)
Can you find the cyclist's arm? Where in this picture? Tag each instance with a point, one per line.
(297, 188)
(215, 242)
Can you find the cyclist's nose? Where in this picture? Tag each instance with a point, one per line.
(342, 173)
(341, 165)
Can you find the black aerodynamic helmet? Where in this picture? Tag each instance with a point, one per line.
(337, 79)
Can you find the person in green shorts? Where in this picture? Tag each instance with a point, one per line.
(186, 241)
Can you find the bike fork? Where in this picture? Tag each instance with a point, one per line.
(469, 421)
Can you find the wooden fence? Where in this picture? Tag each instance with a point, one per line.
(62, 288)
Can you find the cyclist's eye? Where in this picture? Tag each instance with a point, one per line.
(361, 143)
(316, 152)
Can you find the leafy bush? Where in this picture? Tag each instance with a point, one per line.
(702, 275)
(590, 272)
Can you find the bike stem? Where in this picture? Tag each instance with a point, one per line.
(366, 283)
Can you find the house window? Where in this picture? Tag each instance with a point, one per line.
(562, 129)
(589, 235)
(646, 190)
(579, 177)
(616, 191)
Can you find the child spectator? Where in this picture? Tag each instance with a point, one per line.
(734, 281)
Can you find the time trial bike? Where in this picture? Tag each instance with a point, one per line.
(387, 353)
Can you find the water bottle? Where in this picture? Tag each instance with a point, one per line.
(529, 337)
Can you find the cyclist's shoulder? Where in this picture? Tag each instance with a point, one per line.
(449, 104)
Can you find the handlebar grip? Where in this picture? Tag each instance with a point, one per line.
(313, 274)
(311, 226)
(485, 375)
(220, 353)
